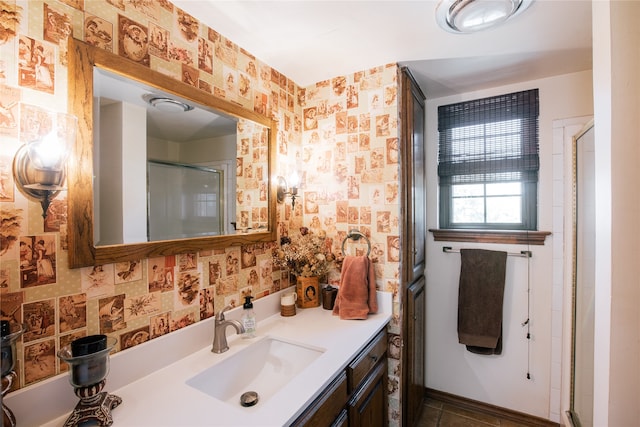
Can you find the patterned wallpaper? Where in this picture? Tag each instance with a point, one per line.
(251, 176)
(339, 135)
(350, 179)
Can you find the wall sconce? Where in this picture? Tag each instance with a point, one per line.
(39, 164)
(283, 190)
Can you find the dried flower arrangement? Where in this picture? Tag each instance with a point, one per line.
(306, 254)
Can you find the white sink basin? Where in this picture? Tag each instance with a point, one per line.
(263, 367)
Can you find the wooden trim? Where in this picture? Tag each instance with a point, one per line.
(415, 87)
(485, 408)
(491, 236)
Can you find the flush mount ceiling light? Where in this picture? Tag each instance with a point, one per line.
(469, 16)
(164, 103)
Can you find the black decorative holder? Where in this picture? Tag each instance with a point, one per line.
(9, 334)
(88, 360)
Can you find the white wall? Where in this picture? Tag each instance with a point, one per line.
(122, 190)
(501, 380)
(616, 61)
(220, 148)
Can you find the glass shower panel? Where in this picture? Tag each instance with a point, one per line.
(584, 279)
(186, 201)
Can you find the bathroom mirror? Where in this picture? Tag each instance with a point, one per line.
(87, 172)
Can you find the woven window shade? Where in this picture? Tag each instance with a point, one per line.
(489, 140)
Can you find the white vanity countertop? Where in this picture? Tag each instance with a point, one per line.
(162, 397)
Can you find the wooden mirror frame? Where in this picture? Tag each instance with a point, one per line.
(82, 249)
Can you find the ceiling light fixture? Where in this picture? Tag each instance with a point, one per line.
(470, 16)
(166, 104)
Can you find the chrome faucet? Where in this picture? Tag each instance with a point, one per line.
(220, 332)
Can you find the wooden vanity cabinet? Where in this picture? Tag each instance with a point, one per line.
(342, 420)
(358, 395)
(368, 404)
(367, 379)
(327, 408)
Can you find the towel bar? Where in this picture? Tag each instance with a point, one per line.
(356, 235)
(522, 254)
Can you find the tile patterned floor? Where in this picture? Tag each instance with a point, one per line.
(439, 414)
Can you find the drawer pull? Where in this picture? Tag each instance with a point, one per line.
(374, 358)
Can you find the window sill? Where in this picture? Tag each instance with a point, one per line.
(491, 236)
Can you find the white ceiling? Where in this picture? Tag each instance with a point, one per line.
(313, 40)
(199, 123)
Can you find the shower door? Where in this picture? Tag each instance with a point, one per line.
(186, 201)
(581, 410)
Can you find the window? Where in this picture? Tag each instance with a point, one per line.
(488, 163)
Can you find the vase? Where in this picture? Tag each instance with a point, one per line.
(308, 290)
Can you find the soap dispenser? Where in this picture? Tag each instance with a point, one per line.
(248, 318)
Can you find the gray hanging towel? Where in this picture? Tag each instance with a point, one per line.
(480, 300)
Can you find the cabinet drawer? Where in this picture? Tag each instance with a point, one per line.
(328, 406)
(364, 363)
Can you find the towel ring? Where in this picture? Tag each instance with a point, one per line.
(356, 235)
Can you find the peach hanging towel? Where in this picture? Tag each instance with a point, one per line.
(357, 293)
